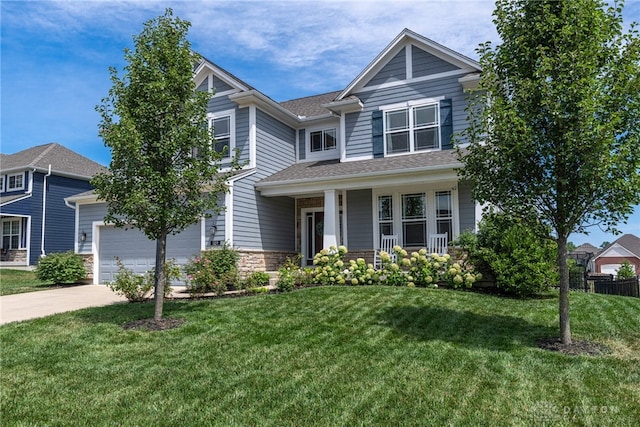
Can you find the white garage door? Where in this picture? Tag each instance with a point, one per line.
(610, 268)
(138, 253)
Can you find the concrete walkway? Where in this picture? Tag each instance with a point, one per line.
(30, 305)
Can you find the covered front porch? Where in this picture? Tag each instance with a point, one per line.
(14, 249)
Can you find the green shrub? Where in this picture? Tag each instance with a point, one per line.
(213, 271)
(520, 256)
(61, 267)
(625, 271)
(286, 281)
(135, 287)
(138, 287)
(256, 280)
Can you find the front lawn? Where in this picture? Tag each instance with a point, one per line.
(326, 356)
(19, 281)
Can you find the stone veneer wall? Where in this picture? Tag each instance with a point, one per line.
(88, 265)
(257, 260)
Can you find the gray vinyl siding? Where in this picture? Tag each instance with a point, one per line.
(466, 206)
(260, 222)
(86, 217)
(242, 133)
(221, 103)
(217, 220)
(358, 125)
(395, 70)
(425, 64)
(359, 219)
(204, 86)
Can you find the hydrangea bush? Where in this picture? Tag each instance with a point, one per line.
(415, 269)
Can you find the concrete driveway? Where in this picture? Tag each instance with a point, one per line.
(30, 305)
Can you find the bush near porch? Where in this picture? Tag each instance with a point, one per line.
(417, 269)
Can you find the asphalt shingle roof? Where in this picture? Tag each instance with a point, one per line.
(628, 241)
(61, 159)
(333, 169)
(310, 106)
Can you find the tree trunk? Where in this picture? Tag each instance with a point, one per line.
(565, 329)
(159, 279)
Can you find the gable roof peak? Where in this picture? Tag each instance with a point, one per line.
(405, 37)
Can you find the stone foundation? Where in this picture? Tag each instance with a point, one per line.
(15, 256)
(257, 260)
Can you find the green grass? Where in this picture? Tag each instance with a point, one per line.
(20, 281)
(326, 357)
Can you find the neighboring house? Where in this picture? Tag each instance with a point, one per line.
(338, 168)
(33, 185)
(624, 248)
(584, 256)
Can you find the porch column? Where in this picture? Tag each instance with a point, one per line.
(331, 219)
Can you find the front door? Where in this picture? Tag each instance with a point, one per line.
(312, 233)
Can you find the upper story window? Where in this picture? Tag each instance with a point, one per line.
(323, 140)
(15, 182)
(223, 126)
(412, 128)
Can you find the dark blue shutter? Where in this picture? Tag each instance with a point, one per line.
(446, 124)
(377, 134)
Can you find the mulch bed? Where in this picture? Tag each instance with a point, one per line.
(576, 348)
(154, 325)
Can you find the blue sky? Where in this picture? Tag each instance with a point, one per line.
(55, 54)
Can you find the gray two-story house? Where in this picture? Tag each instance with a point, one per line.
(339, 168)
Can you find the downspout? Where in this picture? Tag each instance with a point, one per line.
(44, 209)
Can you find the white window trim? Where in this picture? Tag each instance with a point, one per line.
(232, 128)
(411, 106)
(10, 220)
(430, 193)
(21, 174)
(324, 154)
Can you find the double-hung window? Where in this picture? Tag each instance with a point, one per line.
(223, 126)
(11, 234)
(412, 128)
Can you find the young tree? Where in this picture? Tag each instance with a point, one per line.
(154, 122)
(555, 124)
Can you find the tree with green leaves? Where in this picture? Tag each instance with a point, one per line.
(154, 122)
(555, 123)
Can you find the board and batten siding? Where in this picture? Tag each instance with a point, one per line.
(394, 70)
(360, 219)
(425, 64)
(358, 125)
(265, 222)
